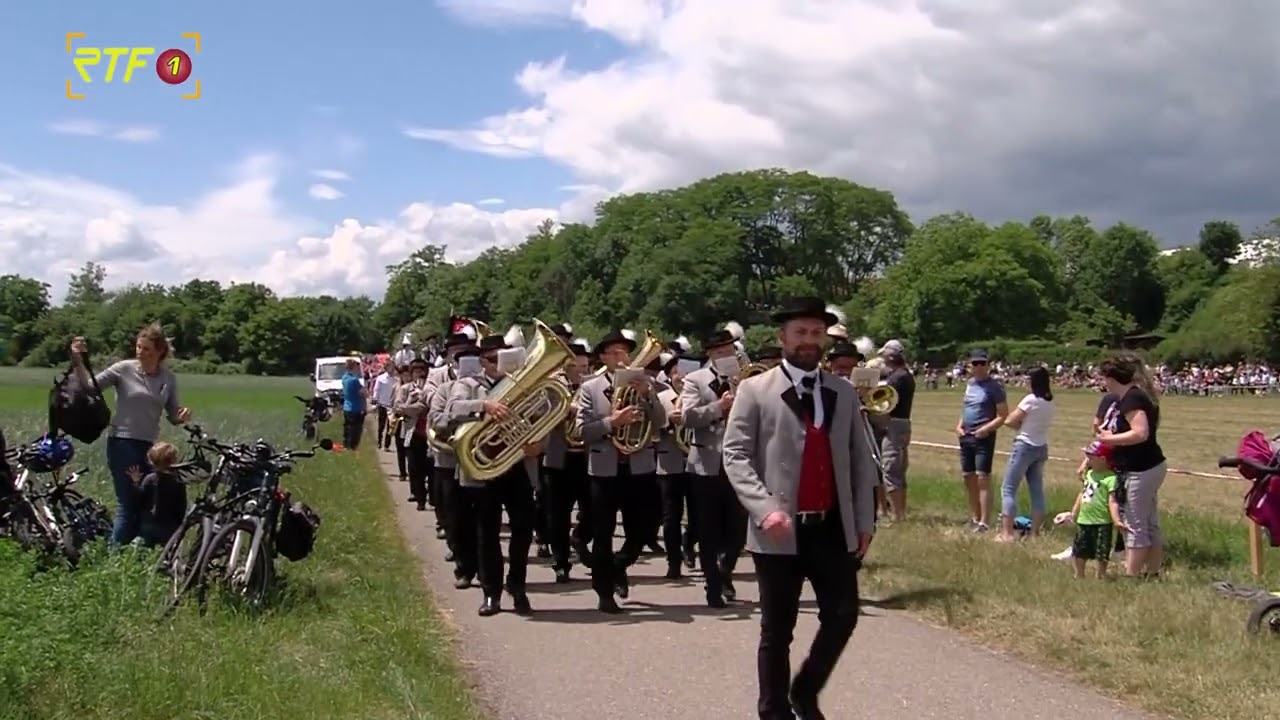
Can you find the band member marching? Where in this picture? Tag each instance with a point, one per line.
(511, 491)
(413, 408)
(801, 463)
(842, 358)
(565, 464)
(615, 475)
(673, 482)
(400, 395)
(542, 478)
(453, 511)
(706, 397)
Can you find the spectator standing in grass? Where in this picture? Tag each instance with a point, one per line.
(984, 411)
(145, 390)
(1095, 512)
(1031, 418)
(354, 405)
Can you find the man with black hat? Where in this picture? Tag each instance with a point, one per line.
(800, 462)
(566, 470)
(842, 358)
(453, 510)
(512, 490)
(672, 483)
(615, 476)
(706, 396)
(413, 405)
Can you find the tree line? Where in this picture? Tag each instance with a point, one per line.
(730, 247)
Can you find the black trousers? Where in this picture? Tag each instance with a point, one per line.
(675, 501)
(512, 492)
(651, 495)
(419, 461)
(382, 427)
(352, 429)
(722, 528)
(463, 531)
(445, 491)
(609, 495)
(541, 508)
(567, 487)
(402, 456)
(822, 557)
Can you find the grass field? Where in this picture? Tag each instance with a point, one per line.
(354, 635)
(1172, 646)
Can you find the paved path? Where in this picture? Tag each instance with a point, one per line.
(670, 658)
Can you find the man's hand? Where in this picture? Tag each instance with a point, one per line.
(864, 544)
(496, 410)
(675, 416)
(184, 414)
(726, 400)
(777, 525)
(959, 431)
(625, 416)
(981, 433)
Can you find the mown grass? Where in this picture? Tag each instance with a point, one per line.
(1173, 646)
(353, 635)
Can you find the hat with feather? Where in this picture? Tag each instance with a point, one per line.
(730, 334)
(617, 337)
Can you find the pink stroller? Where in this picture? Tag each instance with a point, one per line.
(1258, 460)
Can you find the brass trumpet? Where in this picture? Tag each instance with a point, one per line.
(537, 402)
(682, 435)
(878, 400)
(636, 436)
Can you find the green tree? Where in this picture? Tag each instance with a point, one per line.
(1220, 242)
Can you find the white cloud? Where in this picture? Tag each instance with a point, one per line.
(91, 128)
(491, 201)
(331, 175)
(1159, 113)
(494, 13)
(321, 191)
(239, 232)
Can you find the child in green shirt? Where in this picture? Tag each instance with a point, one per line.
(1096, 512)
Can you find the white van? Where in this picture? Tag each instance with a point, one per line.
(329, 372)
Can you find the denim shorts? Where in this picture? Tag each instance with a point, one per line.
(977, 454)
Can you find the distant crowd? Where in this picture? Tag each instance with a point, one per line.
(1190, 379)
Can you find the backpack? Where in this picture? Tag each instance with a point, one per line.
(79, 411)
(297, 535)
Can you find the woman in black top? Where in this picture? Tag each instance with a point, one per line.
(1130, 427)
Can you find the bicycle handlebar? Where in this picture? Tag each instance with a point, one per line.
(1237, 462)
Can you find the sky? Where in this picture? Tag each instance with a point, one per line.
(331, 139)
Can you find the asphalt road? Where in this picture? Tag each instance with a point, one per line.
(671, 658)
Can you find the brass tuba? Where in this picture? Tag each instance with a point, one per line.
(877, 400)
(636, 436)
(537, 401)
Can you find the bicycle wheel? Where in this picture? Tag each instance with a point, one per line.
(182, 558)
(237, 567)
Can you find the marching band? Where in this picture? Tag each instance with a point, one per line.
(526, 426)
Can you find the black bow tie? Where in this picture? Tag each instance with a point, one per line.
(808, 383)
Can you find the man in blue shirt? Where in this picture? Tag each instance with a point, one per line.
(984, 411)
(354, 401)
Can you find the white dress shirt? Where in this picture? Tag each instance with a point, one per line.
(383, 389)
(797, 378)
(404, 356)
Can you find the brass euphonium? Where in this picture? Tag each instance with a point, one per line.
(878, 400)
(537, 401)
(395, 422)
(636, 436)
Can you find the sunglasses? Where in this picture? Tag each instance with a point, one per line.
(977, 363)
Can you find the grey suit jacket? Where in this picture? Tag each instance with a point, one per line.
(670, 460)
(557, 447)
(594, 408)
(763, 446)
(439, 422)
(409, 402)
(702, 414)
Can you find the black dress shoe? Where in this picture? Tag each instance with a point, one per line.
(404, 478)
(730, 593)
(520, 602)
(490, 606)
(673, 571)
(609, 605)
(544, 551)
(440, 533)
(806, 708)
(462, 582)
(622, 588)
(414, 499)
(422, 507)
(715, 601)
(656, 548)
(562, 576)
(689, 559)
(449, 556)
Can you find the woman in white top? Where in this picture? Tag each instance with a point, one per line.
(1031, 419)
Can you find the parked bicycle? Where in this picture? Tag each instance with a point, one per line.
(237, 526)
(39, 509)
(315, 410)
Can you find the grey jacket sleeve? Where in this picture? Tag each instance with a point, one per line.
(697, 416)
(865, 476)
(591, 421)
(463, 403)
(741, 441)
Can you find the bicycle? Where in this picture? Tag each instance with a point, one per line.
(315, 410)
(51, 519)
(242, 554)
(1265, 614)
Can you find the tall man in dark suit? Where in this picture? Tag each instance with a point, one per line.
(801, 464)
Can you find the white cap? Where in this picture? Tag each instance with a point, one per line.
(892, 346)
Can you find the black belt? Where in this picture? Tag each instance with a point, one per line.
(811, 518)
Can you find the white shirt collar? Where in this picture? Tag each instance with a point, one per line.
(797, 375)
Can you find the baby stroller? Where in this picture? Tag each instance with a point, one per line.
(1258, 460)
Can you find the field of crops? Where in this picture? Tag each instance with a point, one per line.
(353, 634)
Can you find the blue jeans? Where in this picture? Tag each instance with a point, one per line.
(122, 454)
(1027, 461)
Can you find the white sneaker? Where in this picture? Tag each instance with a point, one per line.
(1064, 555)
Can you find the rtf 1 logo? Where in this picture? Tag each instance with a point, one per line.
(173, 66)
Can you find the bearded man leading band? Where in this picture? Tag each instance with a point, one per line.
(706, 397)
(799, 461)
(512, 491)
(616, 478)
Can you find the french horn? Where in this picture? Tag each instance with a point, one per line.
(537, 401)
(639, 434)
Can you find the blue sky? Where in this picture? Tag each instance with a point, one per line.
(328, 84)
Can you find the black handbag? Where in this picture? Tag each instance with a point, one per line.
(76, 408)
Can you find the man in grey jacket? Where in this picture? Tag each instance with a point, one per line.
(800, 462)
(512, 491)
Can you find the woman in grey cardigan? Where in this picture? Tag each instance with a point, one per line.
(145, 390)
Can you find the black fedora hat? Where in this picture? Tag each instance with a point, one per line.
(616, 337)
(805, 307)
(719, 338)
(454, 340)
(843, 349)
(493, 342)
(580, 348)
(564, 330)
(769, 352)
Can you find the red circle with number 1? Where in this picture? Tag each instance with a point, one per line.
(173, 66)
